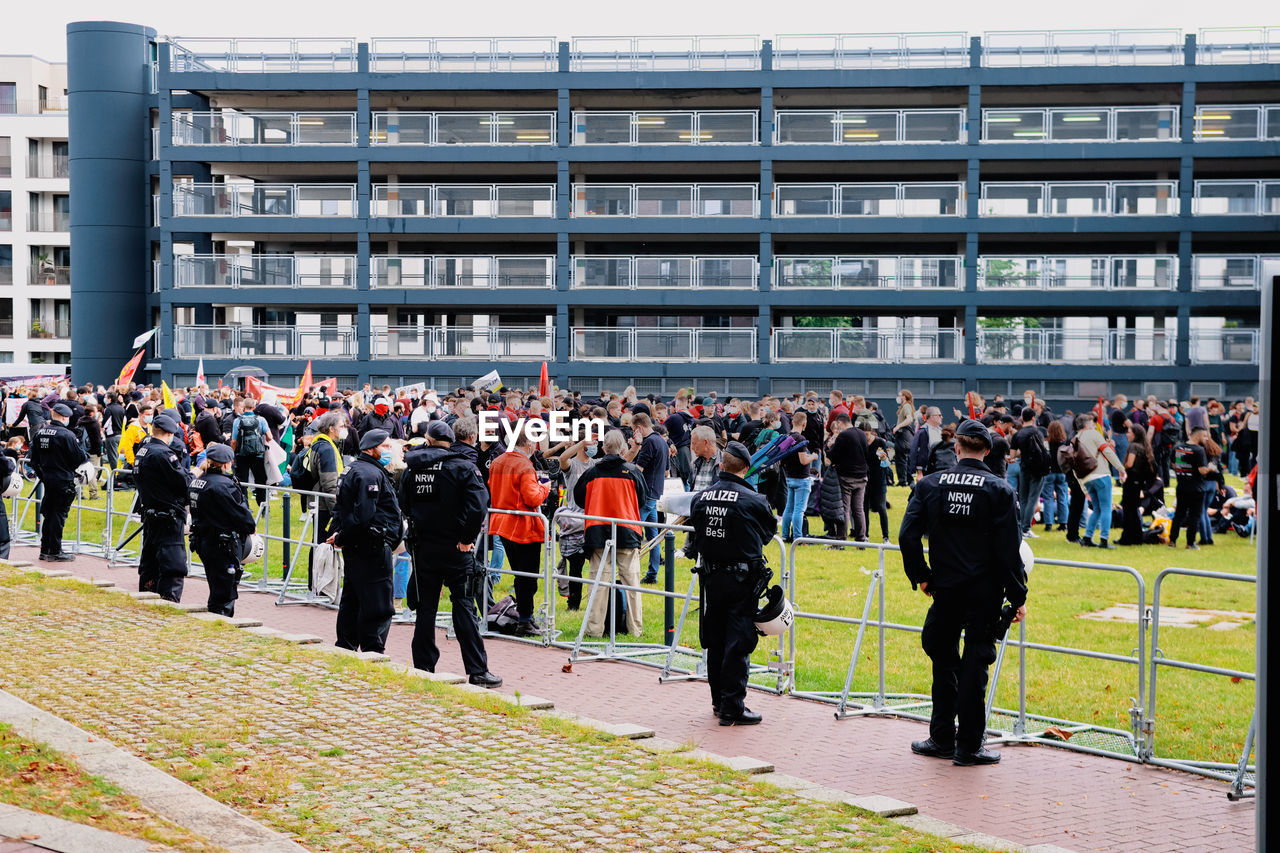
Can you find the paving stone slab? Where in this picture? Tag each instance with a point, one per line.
(741, 763)
(933, 826)
(627, 731)
(63, 836)
(233, 621)
(140, 595)
(987, 842)
(51, 573)
(1048, 848)
(883, 806)
(184, 606)
(19, 564)
(658, 745)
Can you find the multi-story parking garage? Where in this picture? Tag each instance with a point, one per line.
(1077, 213)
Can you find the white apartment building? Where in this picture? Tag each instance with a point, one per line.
(35, 218)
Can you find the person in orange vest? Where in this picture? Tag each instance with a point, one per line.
(515, 486)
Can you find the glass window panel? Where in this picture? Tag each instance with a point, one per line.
(726, 200)
(537, 129)
(602, 272)
(1226, 197)
(1145, 199)
(664, 128)
(1010, 272)
(462, 272)
(725, 127)
(867, 272)
(466, 128)
(524, 272)
(868, 200)
(930, 200)
(804, 127)
(664, 200)
(327, 129)
(927, 126)
(463, 201)
(1013, 125)
(602, 129)
(1082, 125)
(805, 199)
(525, 201)
(803, 272)
(1012, 200)
(402, 129)
(664, 272)
(1233, 122)
(1272, 125)
(1077, 199)
(868, 127)
(602, 200)
(727, 272)
(1156, 123)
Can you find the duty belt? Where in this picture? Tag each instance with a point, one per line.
(741, 568)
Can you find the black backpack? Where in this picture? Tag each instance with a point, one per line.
(1035, 457)
(249, 441)
(301, 477)
(942, 457)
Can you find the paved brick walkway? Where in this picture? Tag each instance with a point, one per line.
(1037, 795)
(360, 759)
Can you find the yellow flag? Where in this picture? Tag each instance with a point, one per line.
(169, 402)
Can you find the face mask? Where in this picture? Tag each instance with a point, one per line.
(146, 419)
(1028, 400)
(384, 458)
(591, 450)
(342, 434)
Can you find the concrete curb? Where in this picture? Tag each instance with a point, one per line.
(64, 836)
(155, 789)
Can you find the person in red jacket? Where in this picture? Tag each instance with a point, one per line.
(515, 486)
(613, 488)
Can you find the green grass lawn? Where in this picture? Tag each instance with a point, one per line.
(1198, 715)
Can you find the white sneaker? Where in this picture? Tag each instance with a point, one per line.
(1031, 534)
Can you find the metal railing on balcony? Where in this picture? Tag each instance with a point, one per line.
(861, 127)
(48, 166)
(903, 199)
(6, 327)
(234, 127)
(666, 53)
(1238, 122)
(471, 128)
(634, 200)
(243, 270)
(155, 275)
(6, 274)
(1081, 124)
(264, 341)
(684, 127)
(294, 200)
(1080, 198)
(6, 222)
(894, 346)
(869, 273)
(54, 275)
(1102, 346)
(1238, 45)
(1021, 49)
(588, 343)
(691, 272)
(483, 271)
(48, 220)
(457, 342)
(428, 55)
(1231, 272)
(260, 55)
(481, 200)
(1237, 198)
(870, 51)
(1224, 346)
(1078, 272)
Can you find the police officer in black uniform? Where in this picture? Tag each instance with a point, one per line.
(220, 522)
(162, 478)
(444, 500)
(55, 455)
(367, 525)
(971, 518)
(731, 524)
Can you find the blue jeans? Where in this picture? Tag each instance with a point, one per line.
(497, 556)
(1099, 490)
(1206, 531)
(649, 512)
(797, 499)
(1122, 448)
(1013, 474)
(1056, 497)
(1029, 488)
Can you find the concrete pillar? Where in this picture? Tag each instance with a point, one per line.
(109, 93)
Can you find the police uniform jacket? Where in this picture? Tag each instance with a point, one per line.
(366, 511)
(218, 505)
(443, 496)
(731, 522)
(162, 477)
(971, 518)
(56, 453)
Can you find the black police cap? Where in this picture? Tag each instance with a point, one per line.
(972, 429)
(738, 449)
(219, 453)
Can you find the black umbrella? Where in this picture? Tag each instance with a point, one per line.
(233, 376)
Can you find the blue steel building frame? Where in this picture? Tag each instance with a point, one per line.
(94, 346)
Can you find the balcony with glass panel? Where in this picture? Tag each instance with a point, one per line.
(463, 342)
(665, 53)
(868, 273)
(245, 270)
(860, 127)
(470, 128)
(627, 272)
(191, 341)
(466, 200)
(698, 127)
(1237, 122)
(243, 199)
(235, 127)
(1238, 45)
(1237, 198)
(1079, 198)
(869, 51)
(1078, 272)
(665, 200)
(466, 55)
(487, 272)
(1231, 272)
(1081, 124)
(262, 55)
(837, 345)
(1100, 346)
(896, 199)
(678, 344)
(1224, 346)
(1033, 48)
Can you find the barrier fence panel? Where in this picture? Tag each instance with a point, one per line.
(1215, 698)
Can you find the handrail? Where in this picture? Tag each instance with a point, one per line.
(874, 126)
(1232, 272)
(1027, 48)
(1081, 124)
(665, 344)
(1061, 198)
(1103, 346)
(650, 199)
(250, 271)
(498, 127)
(638, 272)
(887, 272)
(263, 127)
(1237, 122)
(466, 55)
(263, 341)
(259, 55)
(871, 51)
(485, 200)
(1060, 272)
(294, 200)
(462, 342)
(435, 271)
(838, 345)
(1237, 197)
(688, 127)
(665, 53)
(1234, 45)
(869, 199)
(1224, 346)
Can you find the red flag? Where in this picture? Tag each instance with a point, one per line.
(544, 386)
(968, 400)
(129, 369)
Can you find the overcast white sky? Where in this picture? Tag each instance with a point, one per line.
(40, 28)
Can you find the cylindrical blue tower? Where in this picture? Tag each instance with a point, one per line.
(108, 86)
